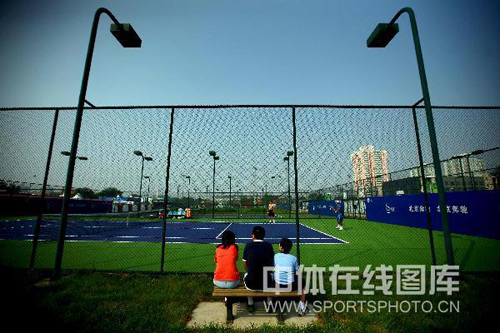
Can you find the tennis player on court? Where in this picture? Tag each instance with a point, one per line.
(339, 213)
(271, 212)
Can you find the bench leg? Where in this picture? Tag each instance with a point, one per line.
(229, 310)
(279, 313)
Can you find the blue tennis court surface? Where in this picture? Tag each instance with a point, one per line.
(176, 232)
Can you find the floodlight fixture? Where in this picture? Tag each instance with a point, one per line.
(382, 34)
(126, 35)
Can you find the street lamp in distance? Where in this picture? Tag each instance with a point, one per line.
(216, 158)
(67, 153)
(144, 158)
(287, 160)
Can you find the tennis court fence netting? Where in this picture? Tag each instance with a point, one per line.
(217, 168)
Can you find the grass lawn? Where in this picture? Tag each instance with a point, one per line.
(104, 302)
(368, 243)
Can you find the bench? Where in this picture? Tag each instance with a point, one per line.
(241, 291)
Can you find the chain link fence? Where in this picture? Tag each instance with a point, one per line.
(224, 165)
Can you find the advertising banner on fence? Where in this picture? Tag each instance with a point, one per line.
(326, 208)
(470, 213)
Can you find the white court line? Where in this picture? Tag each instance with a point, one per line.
(301, 238)
(217, 237)
(291, 223)
(324, 233)
(301, 243)
(269, 223)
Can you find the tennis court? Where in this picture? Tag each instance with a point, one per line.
(199, 232)
(135, 245)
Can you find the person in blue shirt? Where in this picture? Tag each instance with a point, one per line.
(339, 214)
(286, 268)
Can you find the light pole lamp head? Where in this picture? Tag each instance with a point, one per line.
(216, 158)
(212, 153)
(147, 177)
(65, 153)
(126, 35)
(382, 35)
(148, 158)
(138, 152)
(82, 158)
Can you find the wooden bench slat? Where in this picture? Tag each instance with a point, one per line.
(243, 292)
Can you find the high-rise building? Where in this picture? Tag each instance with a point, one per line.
(461, 173)
(370, 168)
(460, 165)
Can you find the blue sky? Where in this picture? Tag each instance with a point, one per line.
(241, 52)
(248, 52)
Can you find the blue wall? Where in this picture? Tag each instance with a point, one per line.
(324, 208)
(30, 205)
(469, 213)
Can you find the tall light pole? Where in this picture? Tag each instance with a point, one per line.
(424, 183)
(189, 186)
(127, 37)
(215, 157)
(287, 160)
(272, 183)
(29, 189)
(459, 158)
(144, 158)
(380, 37)
(36, 233)
(81, 158)
(149, 183)
(255, 182)
(230, 202)
(471, 172)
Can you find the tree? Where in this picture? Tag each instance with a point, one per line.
(315, 196)
(496, 172)
(86, 192)
(268, 197)
(109, 192)
(246, 201)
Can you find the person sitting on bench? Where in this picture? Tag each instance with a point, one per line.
(256, 256)
(226, 273)
(286, 269)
